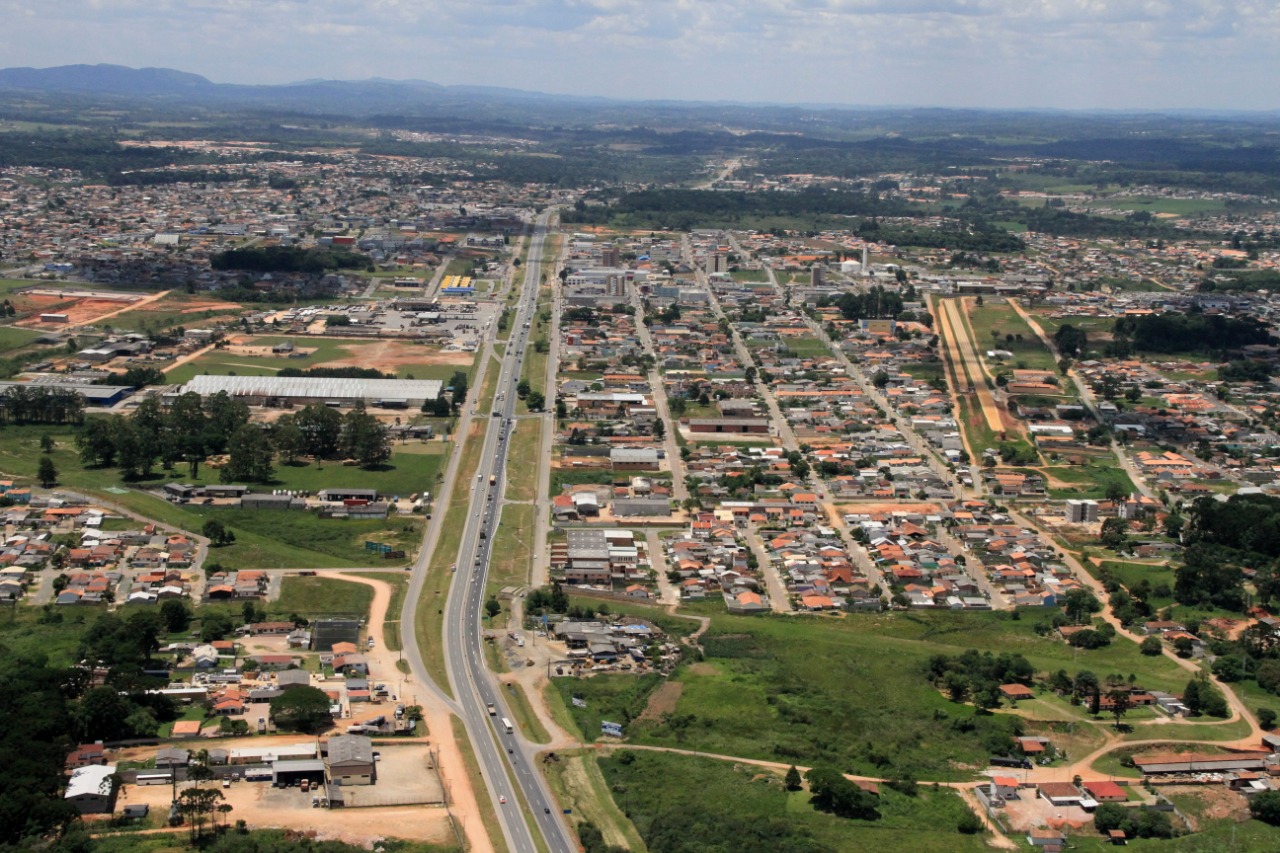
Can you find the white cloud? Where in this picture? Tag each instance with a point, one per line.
(1076, 53)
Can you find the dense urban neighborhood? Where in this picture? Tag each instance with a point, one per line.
(396, 484)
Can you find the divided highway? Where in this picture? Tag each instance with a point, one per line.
(506, 758)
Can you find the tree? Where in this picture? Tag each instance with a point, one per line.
(836, 794)
(47, 472)
(1115, 533)
(969, 824)
(1151, 646)
(536, 401)
(175, 615)
(1266, 807)
(492, 608)
(217, 533)
(458, 384)
(250, 455)
(288, 439)
(321, 429)
(46, 443)
(215, 626)
(1267, 718)
(301, 708)
(1120, 703)
(792, 780)
(1079, 604)
(659, 429)
(364, 438)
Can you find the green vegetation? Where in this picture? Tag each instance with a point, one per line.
(1092, 481)
(995, 325)
(287, 259)
(779, 690)
(681, 803)
(318, 596)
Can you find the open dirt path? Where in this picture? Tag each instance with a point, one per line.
(453, 773)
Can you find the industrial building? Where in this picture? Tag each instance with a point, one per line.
(286, 391)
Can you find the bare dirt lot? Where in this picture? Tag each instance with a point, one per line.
(663, 701)
(79, 312)
(1218, 802)
(260, 805)
(391, 355)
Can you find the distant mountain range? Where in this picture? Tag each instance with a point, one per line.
(152, 83)
(76, 94)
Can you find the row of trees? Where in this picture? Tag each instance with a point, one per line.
(193, 429)
(40, 404)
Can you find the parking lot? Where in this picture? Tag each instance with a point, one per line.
(405, 802)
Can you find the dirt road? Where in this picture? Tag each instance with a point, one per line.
(133, 306)
(962, 348)
(452, 770)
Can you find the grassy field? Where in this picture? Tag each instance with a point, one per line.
(1089, 482)
(176, 309)
(512, 557)
(851, 692)
(414, 467)
(671, 797)
(14, 337)
(999, 317)
(1130, 574)
(271, 540)
(807, 347)
(522, 467)
(580, 788)
(311, 597)
(430, 620)
(21, 632)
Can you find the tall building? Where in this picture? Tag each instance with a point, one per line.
(610, 256)
(1081, 512)
(717, 262)
(815, 276)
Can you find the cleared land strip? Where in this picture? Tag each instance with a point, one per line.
(962, 348)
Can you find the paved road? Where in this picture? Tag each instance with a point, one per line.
(507, 759)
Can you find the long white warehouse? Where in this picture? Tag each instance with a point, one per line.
(284, 391)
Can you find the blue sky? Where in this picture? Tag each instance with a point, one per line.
(1147, 54)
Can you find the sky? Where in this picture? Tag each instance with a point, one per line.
(1073, 54)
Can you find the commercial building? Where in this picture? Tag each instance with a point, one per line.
(350, 760)
(284, 391)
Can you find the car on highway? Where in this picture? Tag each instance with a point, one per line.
(502, 800)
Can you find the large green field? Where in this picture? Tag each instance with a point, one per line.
(317, 596)
(997, 316)
(852, 692)
(413, 467)
(681, 803)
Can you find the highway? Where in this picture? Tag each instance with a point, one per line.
(506, 758)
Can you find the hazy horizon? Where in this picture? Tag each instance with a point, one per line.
(986, 54)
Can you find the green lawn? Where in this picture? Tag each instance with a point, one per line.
(1089, 481)
(998, 316)
(700, 800)
(22, 633)
(851, 691)
(807, 347)
(15, 337)
(269, 540)
(414, 467)
(313, 597)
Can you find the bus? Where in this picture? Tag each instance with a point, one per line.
(162, 778)
(507, 727)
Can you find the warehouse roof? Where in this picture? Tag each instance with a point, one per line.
(317, 387)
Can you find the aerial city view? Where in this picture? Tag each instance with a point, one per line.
(543, 427)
